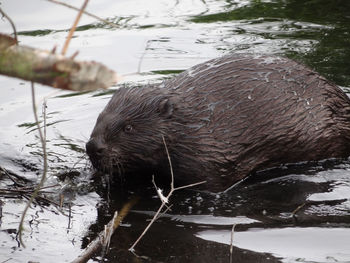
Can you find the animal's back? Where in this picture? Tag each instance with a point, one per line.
(222, 120)
(256, 112)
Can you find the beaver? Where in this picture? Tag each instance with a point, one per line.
(223, 120)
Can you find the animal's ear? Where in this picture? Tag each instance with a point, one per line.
(166, 108)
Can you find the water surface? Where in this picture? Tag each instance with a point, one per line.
(154, 40)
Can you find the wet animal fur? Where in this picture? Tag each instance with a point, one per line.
(222, 120)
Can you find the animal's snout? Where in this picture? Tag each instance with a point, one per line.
(95, 149)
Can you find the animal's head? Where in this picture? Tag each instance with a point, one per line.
(128, 133)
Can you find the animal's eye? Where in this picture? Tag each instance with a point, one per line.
(128, 128)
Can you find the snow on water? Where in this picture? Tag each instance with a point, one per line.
(296, 244)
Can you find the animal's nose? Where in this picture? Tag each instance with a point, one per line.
(94, 147)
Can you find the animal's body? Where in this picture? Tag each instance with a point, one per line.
(222, 120)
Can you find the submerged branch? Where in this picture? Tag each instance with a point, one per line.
(103, 239)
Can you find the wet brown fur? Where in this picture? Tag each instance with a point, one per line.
(222, 120)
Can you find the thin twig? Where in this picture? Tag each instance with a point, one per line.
(26, 189)
(22, 191)
(296, 210)
(47, 200)
(11, 177)
(69, 216)
(231, 243)
(85, 12)
(12, 24)
(163, 199)
(170, 164)
(43, 177)
(160, 193)
(72, 30)
(189, 185)
(6, 260)
(49, 186)
(166, 210)
(132, 248)
(44, 107)
(142, 56)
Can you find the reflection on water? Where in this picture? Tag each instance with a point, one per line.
(162, 38)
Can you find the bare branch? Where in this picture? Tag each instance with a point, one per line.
(142, 56)
(54, 70)
(74, 26)
(155, 217)
(43, 177)
(189, 185)
(12, 24)
(162, 198)
(85, 12)
(170, 164)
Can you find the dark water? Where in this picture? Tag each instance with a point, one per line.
(168, 37)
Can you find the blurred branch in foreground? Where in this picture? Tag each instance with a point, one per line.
(51, 69)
